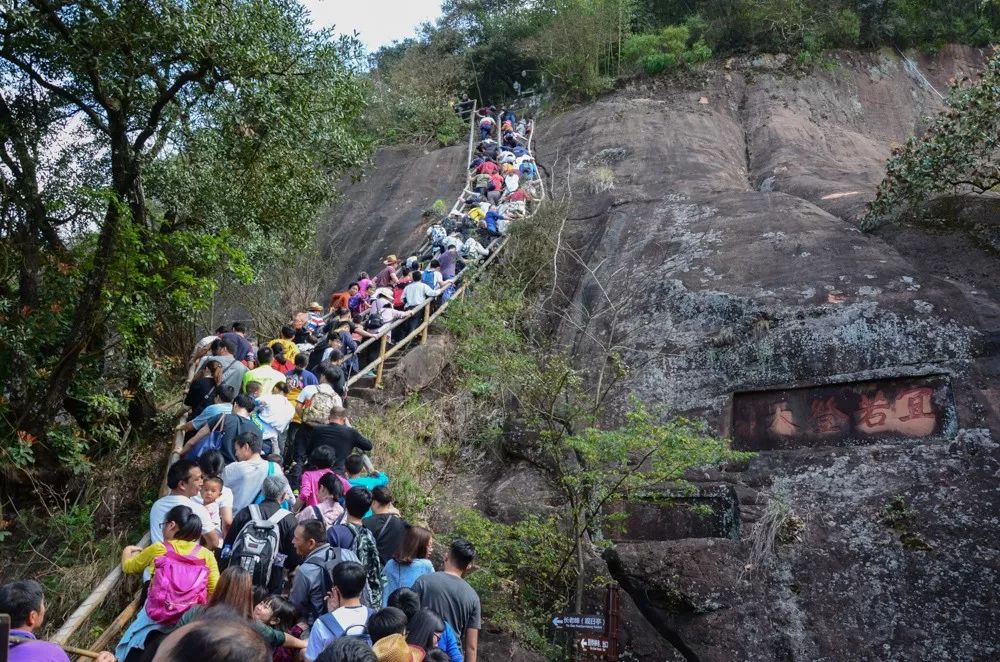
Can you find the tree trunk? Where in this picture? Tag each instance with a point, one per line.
(87, 317)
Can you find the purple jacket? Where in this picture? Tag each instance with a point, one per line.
(35, 651)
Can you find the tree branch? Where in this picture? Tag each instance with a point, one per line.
(65, 94)
(190, 76)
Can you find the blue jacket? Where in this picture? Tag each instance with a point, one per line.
(491, 220)
(451, 644)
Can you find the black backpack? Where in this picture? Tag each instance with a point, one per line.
(255, 548)
(374, 319)
(333, 557)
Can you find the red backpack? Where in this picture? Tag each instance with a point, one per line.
(179, 583)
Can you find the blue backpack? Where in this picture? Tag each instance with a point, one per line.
(333, 625)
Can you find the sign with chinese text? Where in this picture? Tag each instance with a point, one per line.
(836, 414)
(592, 644)
(584, 622)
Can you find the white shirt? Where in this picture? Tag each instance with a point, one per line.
(158, 513)
(415, 294)
(275, 412)
(214, 509)
(247, 477)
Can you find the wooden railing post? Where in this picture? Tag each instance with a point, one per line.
(427, 323)
(381, 356)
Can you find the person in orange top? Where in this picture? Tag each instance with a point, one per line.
(339, 300)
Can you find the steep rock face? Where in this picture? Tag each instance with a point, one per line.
(381, 213)
(715, 225)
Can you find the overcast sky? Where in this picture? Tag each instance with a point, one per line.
(379, 22)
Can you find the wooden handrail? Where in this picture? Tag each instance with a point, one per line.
(422, 329)
(378, 364)
(100, 593)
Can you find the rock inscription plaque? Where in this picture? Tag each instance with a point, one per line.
(841, 414)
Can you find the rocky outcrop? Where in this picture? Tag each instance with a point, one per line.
(420, 365)
(714, 228)
(721, 254)
(382, 212)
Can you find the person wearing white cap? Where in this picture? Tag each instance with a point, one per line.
(381, 315)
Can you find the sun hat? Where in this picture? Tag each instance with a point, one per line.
(392, 259)
(314, 306)
(395, 649)
(384, 292)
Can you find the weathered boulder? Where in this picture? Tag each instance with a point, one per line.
(520, 490)
(420, 365)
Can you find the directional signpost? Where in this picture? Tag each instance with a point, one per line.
(592, 644)
(598, 638)
(579, 622)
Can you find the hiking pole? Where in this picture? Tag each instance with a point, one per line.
(69, 649)
(4, 637)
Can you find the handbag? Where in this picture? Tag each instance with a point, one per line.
(212, 442)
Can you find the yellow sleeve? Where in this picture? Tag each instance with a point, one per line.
(144, 559)
(213, 568)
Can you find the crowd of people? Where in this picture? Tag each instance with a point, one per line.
(277, 538)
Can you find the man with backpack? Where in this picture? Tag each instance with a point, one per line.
(386, 524)
(352, 535)
(227, 427)
(246, 476)
(313, 406)
(260, 538)
(347, 617)
(314, 576)
(223, 351)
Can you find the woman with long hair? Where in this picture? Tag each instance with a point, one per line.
(425, 629)
(410, 560)
(235, 592)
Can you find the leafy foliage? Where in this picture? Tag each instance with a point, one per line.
(409, 92)
(512, 366)
(653, 53)
(147, 148)
(957, 152)
(577, 48)
(517, 572)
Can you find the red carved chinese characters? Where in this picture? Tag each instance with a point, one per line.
(914, 413)
(782, 420)
(917, 401)
(874, 414)
(826, 418)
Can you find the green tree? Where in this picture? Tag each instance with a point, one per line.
(146, 146)
(958, 152)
